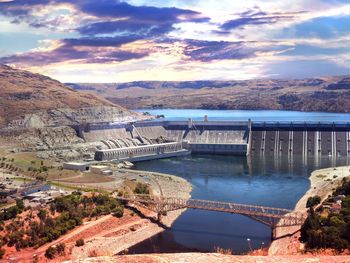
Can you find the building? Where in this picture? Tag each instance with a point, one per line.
(31, 188)
(76, 166)
(101, 169)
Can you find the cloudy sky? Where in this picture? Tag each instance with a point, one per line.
(119, 41)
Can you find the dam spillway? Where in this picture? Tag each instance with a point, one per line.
(306, 139)
(136, 141)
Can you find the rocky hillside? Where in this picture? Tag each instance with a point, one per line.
(33, 100)
(330, 94)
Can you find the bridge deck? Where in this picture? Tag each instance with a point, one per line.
(267, 215)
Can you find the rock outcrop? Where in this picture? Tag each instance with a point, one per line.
(29, 100)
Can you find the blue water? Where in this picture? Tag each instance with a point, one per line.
(267, 181)
(257, 180)
(244, 115)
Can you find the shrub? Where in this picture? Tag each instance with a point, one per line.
(20, 204)
(312, 201)
(141, 189)
(50, 253)
(61, 248)
(80, 242)
(2, 252)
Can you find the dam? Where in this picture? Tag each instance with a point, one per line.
(227, 164)
(163, 139)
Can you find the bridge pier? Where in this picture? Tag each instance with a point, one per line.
(273, 233)
(159, 216)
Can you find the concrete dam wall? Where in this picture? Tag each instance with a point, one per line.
(220, 137)
(306, 140)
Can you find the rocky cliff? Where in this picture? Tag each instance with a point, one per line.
(30, 100)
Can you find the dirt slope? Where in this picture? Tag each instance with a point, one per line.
(22, 92)
(330, 94)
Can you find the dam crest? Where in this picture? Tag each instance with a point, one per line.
(162, 139)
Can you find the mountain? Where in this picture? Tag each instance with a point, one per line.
(33, 100)
(329, 94)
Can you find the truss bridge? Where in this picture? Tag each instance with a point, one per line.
(270, 216)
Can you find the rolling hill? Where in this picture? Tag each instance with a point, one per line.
(329, 94)
(34, 100)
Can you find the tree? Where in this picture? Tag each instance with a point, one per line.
(50, 253)
(312, 201)
(312, 222)
(2, 252)
(20, 204)
(60, 248)
(42, 214)
(80, 242)
(118, 211)
(141, 189)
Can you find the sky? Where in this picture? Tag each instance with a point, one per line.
(121, 41)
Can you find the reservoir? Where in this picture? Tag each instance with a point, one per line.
(244, 115)
(261, 180)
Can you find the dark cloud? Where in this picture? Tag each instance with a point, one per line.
(118, 23)
(20, 8)
(119, 9)
(86, 50)
(147, 20)
(100, 41)
(256, 17)
(206, 51)
(144, 21)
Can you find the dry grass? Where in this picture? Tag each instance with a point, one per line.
(23, 92)
(224, 251)
(250, 94)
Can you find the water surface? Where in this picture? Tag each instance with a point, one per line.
(268, 181)
(261, 180)
(243, 115)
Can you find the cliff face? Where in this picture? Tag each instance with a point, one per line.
(330, 94)
(30, 100)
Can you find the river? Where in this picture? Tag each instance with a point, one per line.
(257, 180)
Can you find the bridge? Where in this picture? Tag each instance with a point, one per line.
(270, 216)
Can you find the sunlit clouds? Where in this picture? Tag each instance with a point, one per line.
(119, 41)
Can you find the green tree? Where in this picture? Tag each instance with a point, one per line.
(80, 242)
(312, 201)
(141, 189)
(2, 252)
(20, 204)
(60, 248)
(50, 253)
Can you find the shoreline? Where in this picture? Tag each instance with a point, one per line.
(112, 245)
(322, 183)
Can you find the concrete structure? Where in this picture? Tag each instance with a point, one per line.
(31, 188)
(270, 216)
(222, 137)
(145, 152)
(101, 169)
(306, 139)
(76, 166)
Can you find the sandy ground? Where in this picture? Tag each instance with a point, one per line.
(111, 244)
(109, 235)
(215, 258)
(322, 183)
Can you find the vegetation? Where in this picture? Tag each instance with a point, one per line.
(331, 228)
(313, 201)
(63, 215)
(12, 212)
(60, 248)
(2, 252)
(50, 253)
(142, 189)
(80, 242)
